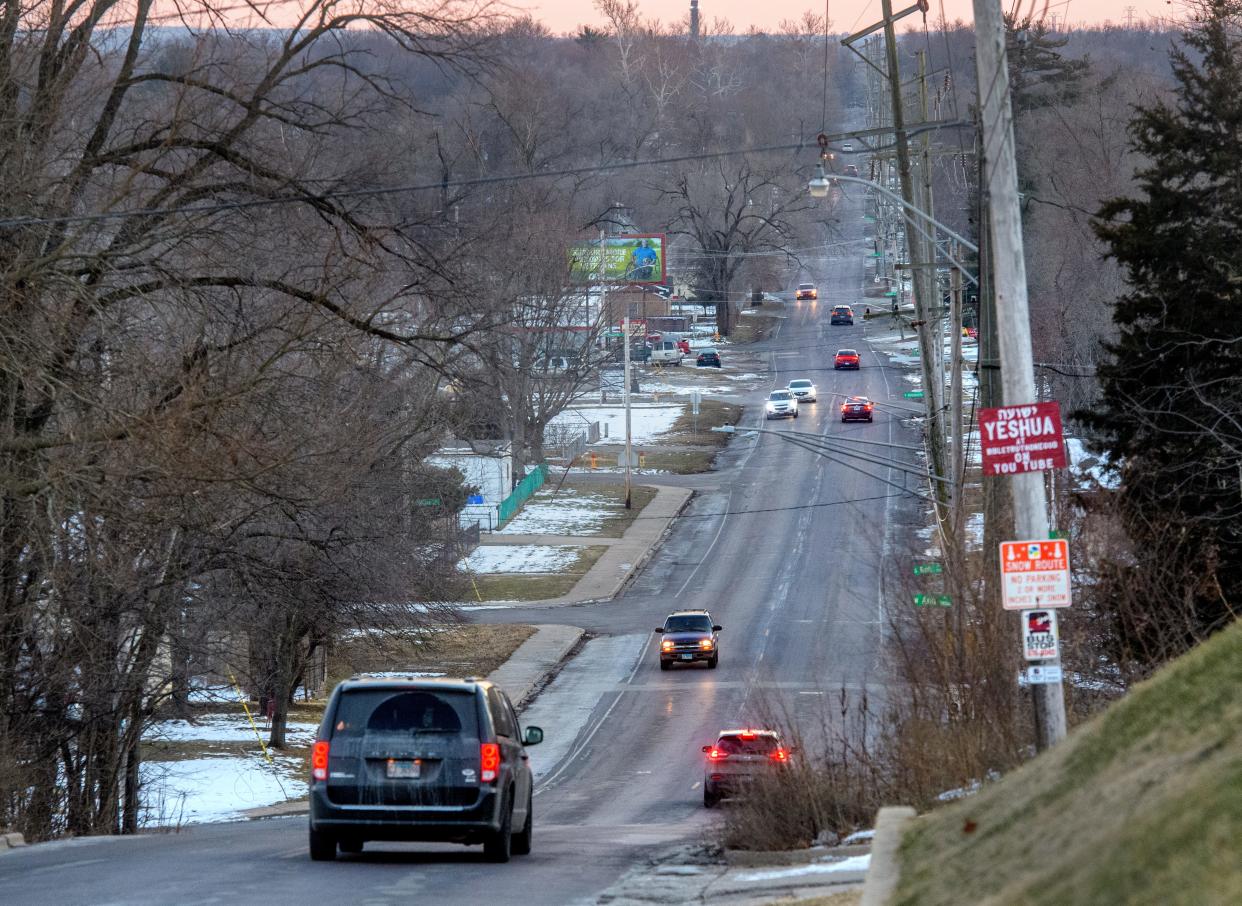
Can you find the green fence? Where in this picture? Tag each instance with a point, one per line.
(525, 488)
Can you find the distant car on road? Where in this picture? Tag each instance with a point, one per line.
(738, 759)
(688, 636)
(846, 359)
(708, 358)
(806, 291)
(847, 146)
(857, 409)
(842, 314)
(406, 758)
(851, 170)
(803, 390)
(781, 403)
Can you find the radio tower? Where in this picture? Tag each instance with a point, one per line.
(1130, 11)
(694, 19)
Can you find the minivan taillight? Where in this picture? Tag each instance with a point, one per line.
(319, 760)
(489, 762)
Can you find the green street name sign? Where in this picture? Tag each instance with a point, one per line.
(932, 601)
(913, 394)
(928, 569)
(427, 501)
(892, 294)
(1055, 534)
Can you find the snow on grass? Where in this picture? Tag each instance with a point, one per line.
(399, 674)
(203, 790)
(203, 694)
(568, 513)
(853, 863)
(519, 558)
(224, 728)
(1087, 466)
(647, 423)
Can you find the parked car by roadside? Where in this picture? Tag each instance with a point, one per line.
(708, 358)
(666, 352)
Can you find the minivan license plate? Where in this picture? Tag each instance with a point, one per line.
(687, 657)
(404, 770)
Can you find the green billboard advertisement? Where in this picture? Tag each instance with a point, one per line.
(627, 259)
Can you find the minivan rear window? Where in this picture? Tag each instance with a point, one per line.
(404, 712)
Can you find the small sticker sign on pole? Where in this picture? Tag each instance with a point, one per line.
(1039, 674)
(1039, 634)
(1034, 574)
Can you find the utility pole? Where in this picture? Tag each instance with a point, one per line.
(930, 275)
(1000, 190)
(920, 259)
(958, 472)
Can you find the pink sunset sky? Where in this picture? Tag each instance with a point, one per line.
(847, 15)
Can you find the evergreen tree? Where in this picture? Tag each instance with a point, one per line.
(1171, 407)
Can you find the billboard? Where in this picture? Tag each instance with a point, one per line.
(627, 259)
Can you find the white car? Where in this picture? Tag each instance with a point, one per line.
(781, 403)
(803, 390)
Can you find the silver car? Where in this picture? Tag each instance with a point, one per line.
(781, 403)
(803, 390)
(738, 759)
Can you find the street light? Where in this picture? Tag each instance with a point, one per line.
(819, 183)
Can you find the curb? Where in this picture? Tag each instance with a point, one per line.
(657, 543)
(885, 869)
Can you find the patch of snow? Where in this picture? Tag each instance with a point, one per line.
(203, 790)
(646, 422)
(852, 863)
(569, 512)
(862, 836)
(961, 792)
(519, 558)
(225, 728)
(399, 674)
(202, 694)
(1089, 466)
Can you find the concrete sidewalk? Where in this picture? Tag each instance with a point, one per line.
(625, 555)
(521, 675)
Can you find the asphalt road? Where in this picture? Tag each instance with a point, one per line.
(781, 545)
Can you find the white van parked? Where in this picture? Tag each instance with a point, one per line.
(666, 352)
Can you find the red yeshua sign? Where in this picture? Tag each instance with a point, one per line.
(1021, 438)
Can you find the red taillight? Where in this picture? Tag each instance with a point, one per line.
(319, 760)
(489, 761)
(780, 755)
(715, 754)
(747, 735)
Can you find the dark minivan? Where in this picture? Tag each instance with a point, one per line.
(411, 758)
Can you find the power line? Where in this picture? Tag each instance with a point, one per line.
(18, 222)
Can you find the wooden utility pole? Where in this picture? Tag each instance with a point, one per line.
(1000, 192)
(958, 472)
(920, 260)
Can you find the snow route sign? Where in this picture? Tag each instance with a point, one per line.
(1024, 438)
(1035, 574)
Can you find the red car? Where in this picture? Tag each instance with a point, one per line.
(806, 291)
(857, 409)
(846, 358)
